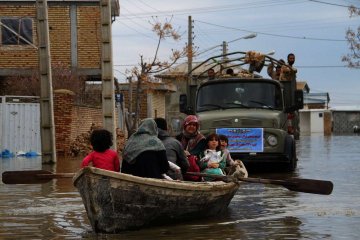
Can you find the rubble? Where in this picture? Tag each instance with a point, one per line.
(81, 146)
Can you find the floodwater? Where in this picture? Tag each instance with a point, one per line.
(55, 211)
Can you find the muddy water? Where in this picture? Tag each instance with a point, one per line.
(55, 211)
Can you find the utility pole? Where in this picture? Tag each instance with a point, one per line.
(190, 58)
(48, 147)
(224, 47)
(107, 73)
(190, 49)
(224, 58)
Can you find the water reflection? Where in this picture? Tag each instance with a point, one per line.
(51, 209)
(55, 211)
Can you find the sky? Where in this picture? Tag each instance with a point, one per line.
(313, 30)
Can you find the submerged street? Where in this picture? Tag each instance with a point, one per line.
(55, 210)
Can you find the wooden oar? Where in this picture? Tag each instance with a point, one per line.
(32, 176)
(293, 184)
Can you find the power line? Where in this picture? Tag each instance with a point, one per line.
(217, 8)
(149, 6)
(124, 65)
(333, 4)
(324, 66)
(275, 35)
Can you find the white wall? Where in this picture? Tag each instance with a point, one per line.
(311, 121)
(317, 121)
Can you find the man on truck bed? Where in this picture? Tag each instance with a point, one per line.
(275, 74)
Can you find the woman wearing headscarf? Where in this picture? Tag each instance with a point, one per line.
(191, 139)
(144, 154)
(193, 142)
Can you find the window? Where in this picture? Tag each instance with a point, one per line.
(239, 94)
(16, 31)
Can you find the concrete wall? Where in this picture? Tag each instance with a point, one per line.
(315, 121)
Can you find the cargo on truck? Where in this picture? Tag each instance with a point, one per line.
(256, 113)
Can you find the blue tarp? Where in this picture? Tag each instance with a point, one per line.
(8, 154)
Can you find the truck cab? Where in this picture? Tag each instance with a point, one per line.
(252, 111)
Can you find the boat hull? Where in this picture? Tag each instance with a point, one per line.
(115, 202)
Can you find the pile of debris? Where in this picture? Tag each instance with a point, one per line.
(81, 146)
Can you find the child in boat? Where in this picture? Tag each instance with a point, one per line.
(212, 159)
(224, 142)
(102, 157)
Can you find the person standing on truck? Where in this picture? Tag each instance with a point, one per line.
(230, 72)
(291, 61)
(275, 74)
(211, 74)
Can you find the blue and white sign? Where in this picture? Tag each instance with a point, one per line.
(244, 139)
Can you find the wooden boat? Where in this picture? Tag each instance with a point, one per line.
(115, 202)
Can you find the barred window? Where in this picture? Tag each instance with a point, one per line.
(16, 31)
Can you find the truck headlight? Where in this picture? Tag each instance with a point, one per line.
(272, 140)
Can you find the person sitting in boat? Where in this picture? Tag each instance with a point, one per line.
(174, 151)
(213, 160)
(224, 142)
(191, 139)
(102, 156)
(144, 154)
(193, 142)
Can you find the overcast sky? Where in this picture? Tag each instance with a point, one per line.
(313, 30)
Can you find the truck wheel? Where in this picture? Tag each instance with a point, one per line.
(290, 149)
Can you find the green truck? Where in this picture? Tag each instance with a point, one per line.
(257, 114)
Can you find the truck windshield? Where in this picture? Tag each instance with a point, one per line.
(228, 95)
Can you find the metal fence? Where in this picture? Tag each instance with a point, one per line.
(20, 124)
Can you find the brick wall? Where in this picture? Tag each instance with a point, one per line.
(327, 123)
(88, 42)
(19, 56)
(158, 105)
(143, 102)
(71, 120)
(83, 118)
(63, 108)
(59, 32)
(89, 37)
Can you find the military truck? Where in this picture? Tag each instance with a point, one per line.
(254, 112)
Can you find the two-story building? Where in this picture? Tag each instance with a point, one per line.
(74, 31)
(75, 38)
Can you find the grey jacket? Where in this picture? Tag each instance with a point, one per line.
(174, 151)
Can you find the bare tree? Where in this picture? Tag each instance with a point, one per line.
(353, 38)
(142, 73)
(63, 78)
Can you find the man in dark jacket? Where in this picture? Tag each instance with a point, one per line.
(174, 150)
